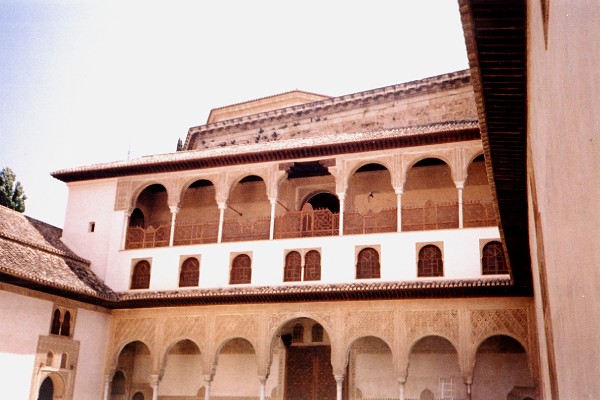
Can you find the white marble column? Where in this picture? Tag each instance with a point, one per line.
(469, 383)
(460, 188)
(174, 212)
(339, 381)
(272, 222)
(399, 192)
(124, 231)
(107, 381)
(341, 197)
(207, 381)
(263, 384)
(402, 382)
(222, 207)
(154, 380)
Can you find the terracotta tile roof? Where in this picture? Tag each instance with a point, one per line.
(241, 153)
(32, 254)
(486, 286)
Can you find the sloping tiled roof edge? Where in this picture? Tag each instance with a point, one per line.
(327, 145)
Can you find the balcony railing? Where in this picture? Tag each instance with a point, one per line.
(234, 231)
(312, 223)
(196, 233)
(430, 216)
(478, 214)
(316, 223)
(142, 238)
(356, 223)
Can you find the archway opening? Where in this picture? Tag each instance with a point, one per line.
(236, 373)
(433, 367)
(134, 363)
(500, 367)
(430, 198)
(478, 209)
(46, 390)
(198, 219)
(182, 357)
(304, 357)
(371, 373)
(150, 221)
(248, 213)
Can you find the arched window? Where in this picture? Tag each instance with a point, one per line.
(65, 328)
(298, 333)
(293, 267)
(63, 361)
(430, 261)
(312, 266)
(367, 266)
(492, 259)
(141, 275)
(317, 333)
(241, 270)
(55, 328)
(190, 272)
(49, 359)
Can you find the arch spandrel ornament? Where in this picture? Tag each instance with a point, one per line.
(443, 323)
(378, 324)
(237, 325)
(490, 322)
(176, 328)
(131, 330)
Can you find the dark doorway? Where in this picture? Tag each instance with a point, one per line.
(46, 390)
(309, 374)
(325, 201)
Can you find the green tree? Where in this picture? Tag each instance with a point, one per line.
(11, 193)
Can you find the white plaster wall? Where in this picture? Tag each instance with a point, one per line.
(375, 376)
(496, 374)
(245, 370)
(425, 371)
(563, 133)
(398, 255)
(22, 320)
(91, 201)
(183, 376)
(92, 331)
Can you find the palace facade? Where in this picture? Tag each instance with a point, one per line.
(379, 245)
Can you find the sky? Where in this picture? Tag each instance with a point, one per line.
(89, 81)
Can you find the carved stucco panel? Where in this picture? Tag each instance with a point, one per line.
(423, 323)
(485, 323)
(237, 325)
(184, 327)
(370, 323)
(128, 330)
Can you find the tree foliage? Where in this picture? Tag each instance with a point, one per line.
(11, 192)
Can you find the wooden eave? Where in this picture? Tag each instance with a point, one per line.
(323, 150)
(495, 35)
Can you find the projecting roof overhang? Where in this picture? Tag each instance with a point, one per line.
(495, 35)
(320, 146)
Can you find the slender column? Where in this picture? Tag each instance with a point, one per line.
(460, 188)
(263, 383)
(154, 379)
(124, 232)
(339, 380)
(222, 207)
(272, 222)
(174, 212)
(468, 383)
(341, 196)
(107, 380)
(399, 192)
(207, 381)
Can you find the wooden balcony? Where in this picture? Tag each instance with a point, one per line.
(430, 216)
(356, 223)
(478, 214)
(196, 233)
(143, 238)
(234, 231)
(313, 223)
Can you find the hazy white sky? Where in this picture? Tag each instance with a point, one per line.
(84, 82)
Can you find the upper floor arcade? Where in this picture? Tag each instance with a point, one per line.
(425, 188)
